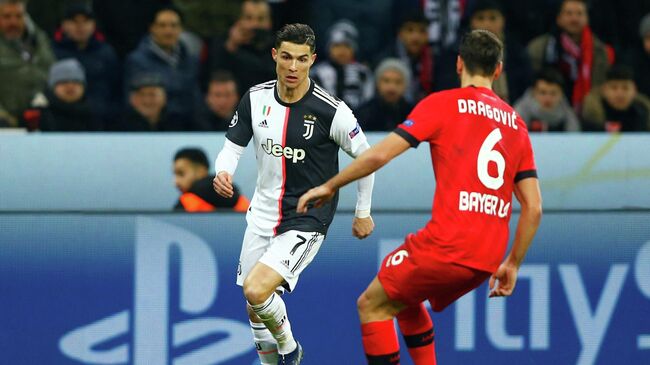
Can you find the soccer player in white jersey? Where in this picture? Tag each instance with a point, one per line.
(297, 129)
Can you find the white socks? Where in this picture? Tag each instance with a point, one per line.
(267, 348)
(274, 315)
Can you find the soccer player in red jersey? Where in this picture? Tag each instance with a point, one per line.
(481, 154)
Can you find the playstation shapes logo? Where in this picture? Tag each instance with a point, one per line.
(148, 322)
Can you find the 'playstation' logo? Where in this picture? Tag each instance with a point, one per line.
(148, 322)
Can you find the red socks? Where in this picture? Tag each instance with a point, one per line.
(380, 343)
(417, 329)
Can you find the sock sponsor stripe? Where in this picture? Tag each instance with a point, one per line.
(420, 339)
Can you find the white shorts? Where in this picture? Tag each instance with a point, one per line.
(288, 254)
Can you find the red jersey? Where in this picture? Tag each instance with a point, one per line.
(480, 148)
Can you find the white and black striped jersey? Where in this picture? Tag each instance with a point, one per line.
(296, 146)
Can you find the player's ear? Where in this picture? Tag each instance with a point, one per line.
(274, 54)
(498, 71)
(313, 59)
(459, 65)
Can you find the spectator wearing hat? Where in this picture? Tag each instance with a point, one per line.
(147, 109)
(617, 106)
(341, 75)
(78, 38)
(413, 49)
(161, 52)
(63, 107)
(574, 50)
(544, 106)
(638, 58)
(389, 107)
(25, 56)
(244, 52)
(517, 72)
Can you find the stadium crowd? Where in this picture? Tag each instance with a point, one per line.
(182, 65)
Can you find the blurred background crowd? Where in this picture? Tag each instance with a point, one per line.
(182, 65)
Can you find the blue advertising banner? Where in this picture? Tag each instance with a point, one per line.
(159, 289)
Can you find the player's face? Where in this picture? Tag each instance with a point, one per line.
(491, 20)
(548, 95)
(293, 62)
(69, 91)
(341, 54)
(79, 29)
(414, 36)
(12, 20)
(222, 98)
(619, 94)
(391, 86)
(149, 101)
(186, 173)
(573, 17)
(166, 29)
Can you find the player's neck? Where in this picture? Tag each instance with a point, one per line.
(477, 81)
(291, 95)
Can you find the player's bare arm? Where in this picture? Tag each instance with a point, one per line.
(528, 193)
(369, 161)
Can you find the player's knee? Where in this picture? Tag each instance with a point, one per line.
(363, 303)
(255, 292)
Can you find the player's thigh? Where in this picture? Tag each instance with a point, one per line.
(290, 253)
(400, 277)
(253, 247)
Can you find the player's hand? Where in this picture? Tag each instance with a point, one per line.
(506, 275)
(222, 184)
(319, 195)
(362, 227)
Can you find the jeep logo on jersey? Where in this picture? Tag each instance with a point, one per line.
(234, 120)
(274, 149)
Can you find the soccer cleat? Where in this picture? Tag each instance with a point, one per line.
(292, 358)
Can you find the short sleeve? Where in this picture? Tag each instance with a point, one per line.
(346, 132)
(423, 122)
(527, 167)
(240, 130)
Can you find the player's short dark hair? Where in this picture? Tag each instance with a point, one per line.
(551, 76)
(620, 73)
(296, 33)
(481, 51)
(193, 154)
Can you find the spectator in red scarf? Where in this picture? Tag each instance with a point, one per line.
(413, 49)
(573, 50)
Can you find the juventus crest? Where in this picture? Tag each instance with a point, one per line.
(309, 121)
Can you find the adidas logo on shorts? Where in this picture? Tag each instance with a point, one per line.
(285, 263)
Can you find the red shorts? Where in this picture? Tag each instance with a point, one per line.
(413, 276)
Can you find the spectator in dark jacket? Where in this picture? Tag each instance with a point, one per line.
(147, 110)
(388, 108)
(340, 73)
(639, 57)
(78, 38)
(63, 107)
(517, 72)
(161, 52)
(221, 101)
(245, 51)
(617, 106)
(192, 179)
(412, 47)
